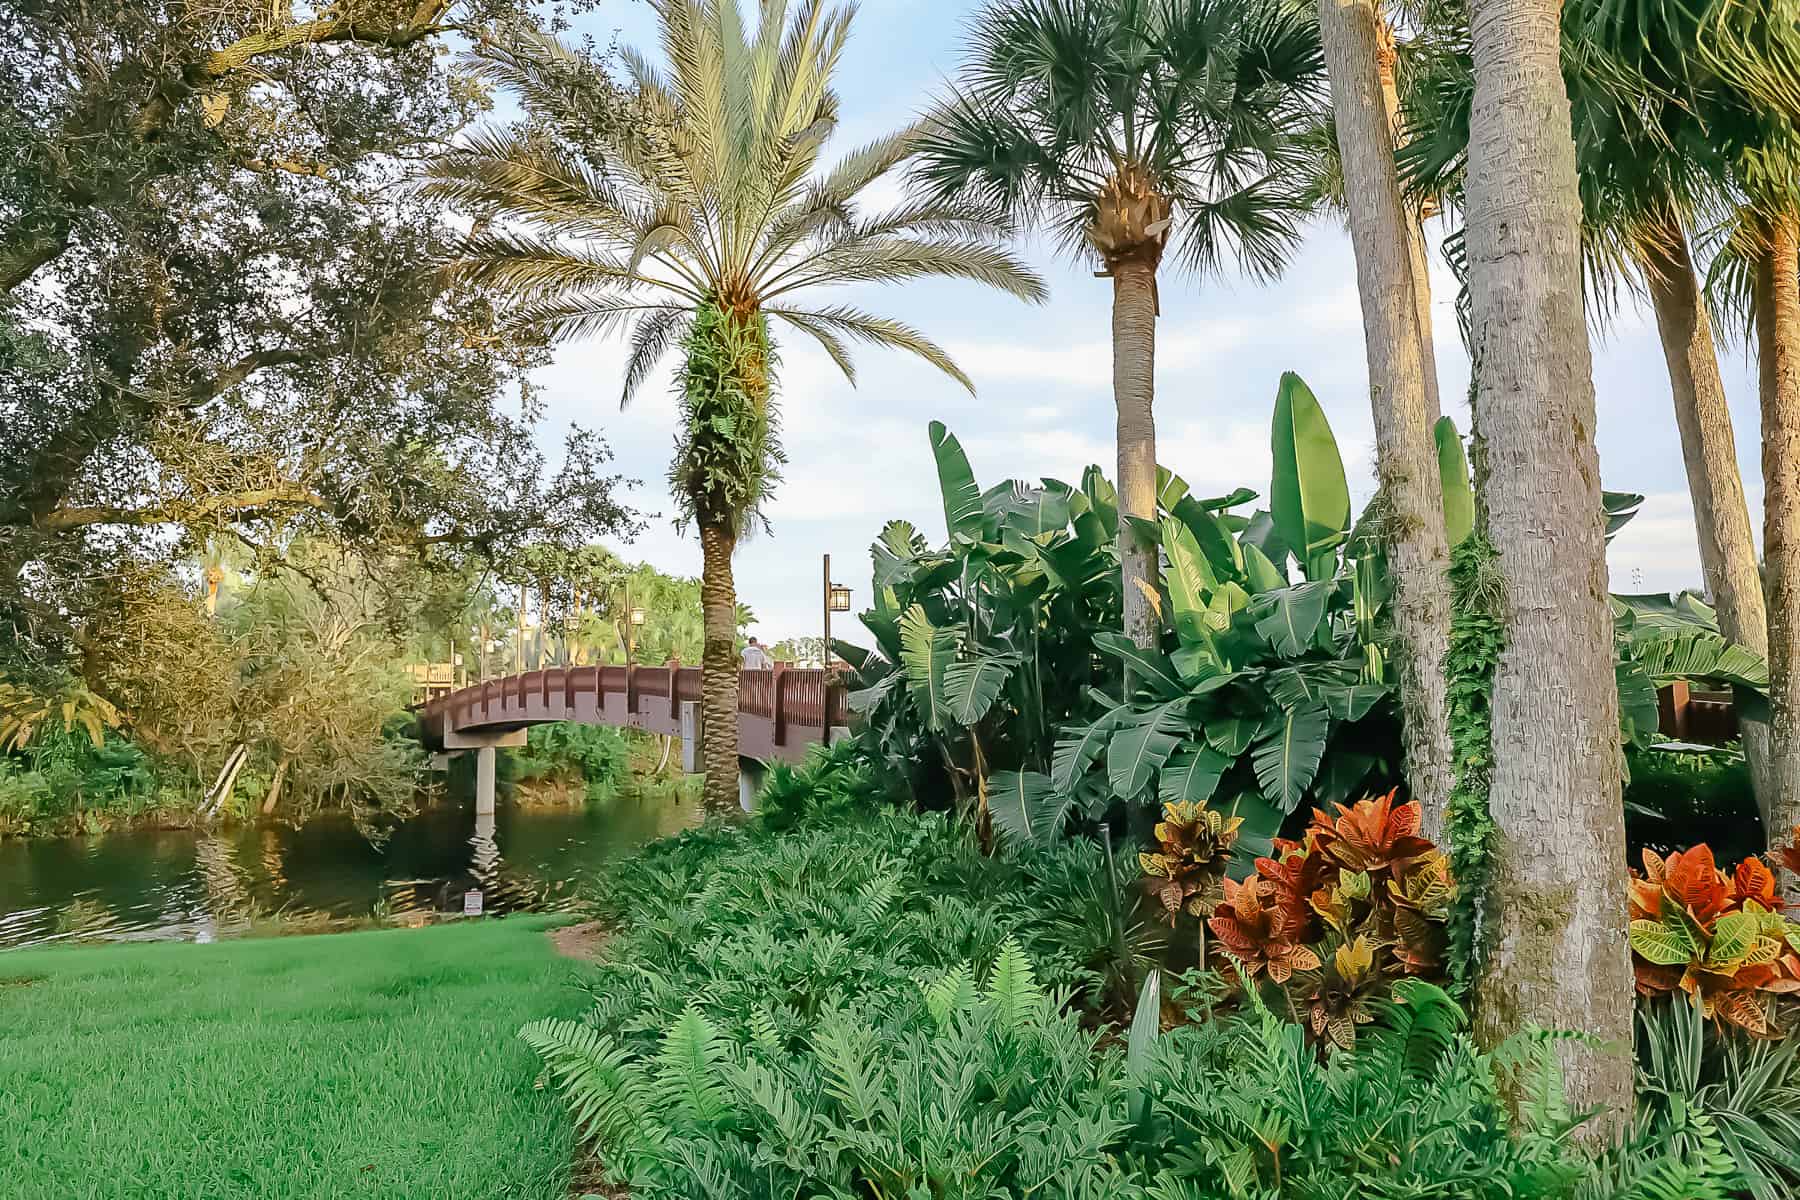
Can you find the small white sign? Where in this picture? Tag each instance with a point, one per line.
(472, 903)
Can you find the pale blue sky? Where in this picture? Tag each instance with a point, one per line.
(858, 456)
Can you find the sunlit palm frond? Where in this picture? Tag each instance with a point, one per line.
(531, 268)
(895, 260)
(655, 331)
(1204, 99)
(878, 331)
(502, 174)
(830, 342)
(572, 316)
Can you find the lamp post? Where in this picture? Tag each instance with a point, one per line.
(837, 599)
(634, 620)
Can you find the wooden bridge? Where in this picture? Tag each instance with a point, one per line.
(781, 712)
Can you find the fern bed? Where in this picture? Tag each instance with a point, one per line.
(847, 1001)
(374, 1065)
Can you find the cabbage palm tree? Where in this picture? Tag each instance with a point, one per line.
(690, 212)
(1130, 128)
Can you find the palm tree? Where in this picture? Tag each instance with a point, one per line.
(691, 214)
(1558, 959)
(1387, 242)
(1672, 123)
(1130, 128)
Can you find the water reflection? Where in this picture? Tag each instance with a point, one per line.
(199, 885)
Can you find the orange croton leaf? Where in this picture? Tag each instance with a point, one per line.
(1754, 881)
(1695, 881)
(1371, 834)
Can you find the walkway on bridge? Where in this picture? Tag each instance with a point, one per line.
(781, 712)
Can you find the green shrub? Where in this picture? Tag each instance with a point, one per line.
(864, 1005)
(596, 754)
(1675, 800)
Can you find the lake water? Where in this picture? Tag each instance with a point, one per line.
(195, 885)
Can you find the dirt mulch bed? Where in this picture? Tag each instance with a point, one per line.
(583, 941)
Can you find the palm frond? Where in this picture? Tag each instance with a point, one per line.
(655, 331)
(879, 331)
(895, 260)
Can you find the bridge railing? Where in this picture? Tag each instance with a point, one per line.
(779, 710)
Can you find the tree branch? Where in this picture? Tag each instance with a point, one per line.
(179, 511)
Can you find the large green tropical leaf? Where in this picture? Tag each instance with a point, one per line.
(1151, 668)
(1076, 753)
(1288, 749)
(963, 513)
(1261, 574)
(1294, 617)
(1191, 774)
(927, 653)
(1231, 735)
(1222, 552)
(1140, 747)
(1190, 580)
(973, 685)
(1453, 473)
(1026, 807)
(1309, 499)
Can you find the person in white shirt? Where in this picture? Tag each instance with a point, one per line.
(755, 657)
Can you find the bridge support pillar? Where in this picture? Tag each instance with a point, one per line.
(483, 743)
(750, 780)
(484, 782)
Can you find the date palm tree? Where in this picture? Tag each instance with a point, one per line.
(1129, 129)
(686, 208)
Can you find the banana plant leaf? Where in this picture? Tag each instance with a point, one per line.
(1141, 745)
(1287, 753)
(1309, 498)
(1453, 473)
(1025, 807)
(963, 514)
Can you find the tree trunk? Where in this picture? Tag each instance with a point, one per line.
(1406, 452)
(1386, 57)
(1709, 451)
(274, 796)
(1559, 959)
(1776, 302)
(718, 671)
(1134, 393)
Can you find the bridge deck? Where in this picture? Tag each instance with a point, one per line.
(780, 712)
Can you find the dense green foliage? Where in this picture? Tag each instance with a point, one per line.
(378, 1065)
(859, 1003)
(65, 782)
(1676, 799)
(599, 756)
(1476, 640)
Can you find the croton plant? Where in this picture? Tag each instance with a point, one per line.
(1721, 940)
(1332, 919)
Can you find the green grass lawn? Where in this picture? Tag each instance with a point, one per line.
(379, 1064)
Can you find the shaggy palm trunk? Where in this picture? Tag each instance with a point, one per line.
(1386, 58)
(1709, 451)
(1776, 301)
(1134, 392)
(718, 670)
(1404, 410)
(1559, 958)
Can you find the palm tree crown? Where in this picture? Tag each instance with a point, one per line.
(1128, 126)
(705, 192)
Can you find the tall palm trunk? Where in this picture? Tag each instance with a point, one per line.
(1559, 958)
(1776, 303)
(1404, 410)
(1709, 451)
(1134, 392)
(1386, 58)
(718, 670)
